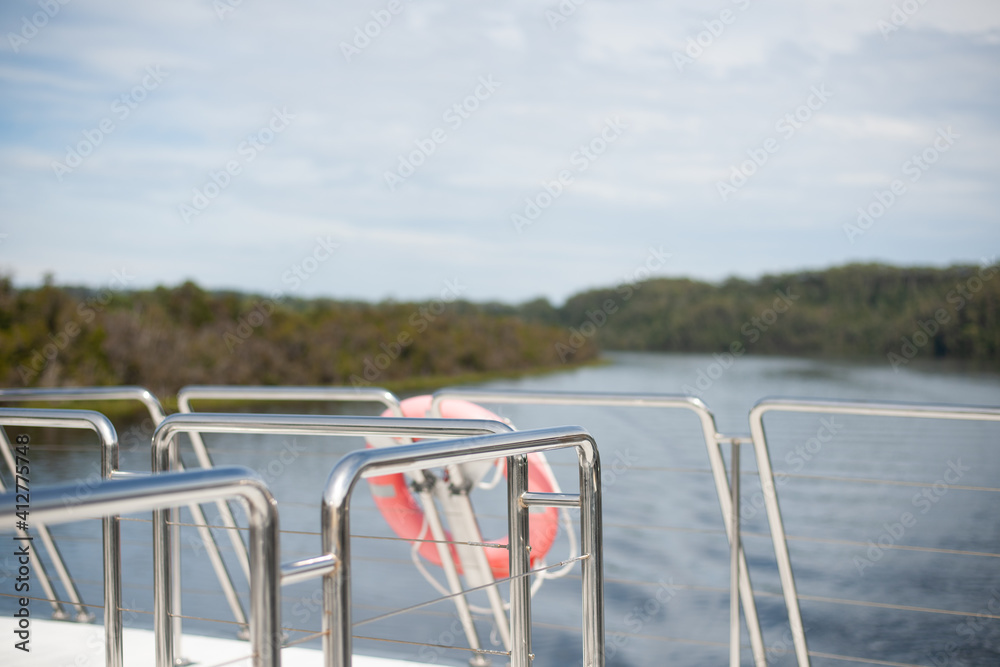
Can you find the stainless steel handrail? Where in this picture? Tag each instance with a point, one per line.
(515, 446)
(156, 414)
(772, 507)
(111, 532)
(163, 453)
(140, 493)
(713, 441)
(267, 393)
(254, 393)
(61, 394)
(53, 394)
(305, 394)
(75, 599)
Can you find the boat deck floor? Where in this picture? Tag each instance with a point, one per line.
(68, 644)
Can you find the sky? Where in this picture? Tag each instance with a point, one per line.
(389, 149)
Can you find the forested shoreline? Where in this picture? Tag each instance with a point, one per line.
(165, 338)
(853, 311)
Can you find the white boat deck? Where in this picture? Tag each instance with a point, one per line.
(68, 644)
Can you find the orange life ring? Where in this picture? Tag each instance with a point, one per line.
(403, 514)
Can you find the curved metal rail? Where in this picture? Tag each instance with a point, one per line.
(266, 393)
(778, 538)
(304, 394)
(156, 414)
(515, 446)
(63, 394)
(141, 493)
(159, 492)
(111, 531)
(58, 395)
(164, 454)
(237, 393)
(728, 496)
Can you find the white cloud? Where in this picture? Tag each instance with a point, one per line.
(353, 120)
(874, 127)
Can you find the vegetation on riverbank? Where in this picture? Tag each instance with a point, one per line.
(858, 310)
(169, 337)
(166, 338)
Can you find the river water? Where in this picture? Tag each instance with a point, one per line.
(893, 529)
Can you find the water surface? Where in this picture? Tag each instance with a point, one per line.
(886, 536)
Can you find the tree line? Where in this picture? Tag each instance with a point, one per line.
(165, 338)
(857, 310)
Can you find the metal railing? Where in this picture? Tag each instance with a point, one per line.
(121, 492)
(778, 537)
(160, 492)
(60, 395)
(236, 393)
(163, 452)
(65, 394)
(515, 447)
(110, 528)
(263, 393)
(157, 415)
(301, 394)
(110, 498)
(58, 612)
(741, 589)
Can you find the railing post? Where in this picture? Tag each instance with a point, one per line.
(265, 579)
(513, 446)
(337, 625)
(177, 627)
(835, 407)
(592, 567)
(163, 589)
(520, 562)
(712, 441)
(734, 555)
(110, 530)
(142, 493)
(265, 572)
(247, 393)
(112, 538)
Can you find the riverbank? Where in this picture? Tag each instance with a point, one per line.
(164, 339)
(135, 412)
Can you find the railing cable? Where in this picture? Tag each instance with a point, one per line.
(467, 591)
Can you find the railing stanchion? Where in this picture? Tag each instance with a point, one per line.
(712, 441)
(154, 492)
(515, 446)
(337, 626)
(110, 529)
(734, 556)
(334, 588)
(67, 394)
(830, 407)
(520, 562)
(592, 567)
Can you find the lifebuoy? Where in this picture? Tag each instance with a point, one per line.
(403, 514)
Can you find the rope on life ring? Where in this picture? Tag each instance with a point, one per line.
(403, 514)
